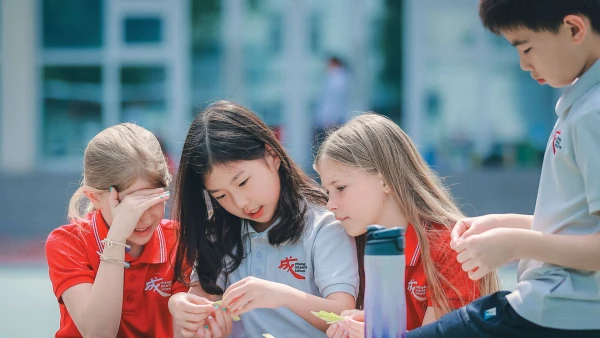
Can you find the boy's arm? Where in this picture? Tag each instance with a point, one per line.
(485, 252)
(570, 251)
(574, 251)
(470, 226)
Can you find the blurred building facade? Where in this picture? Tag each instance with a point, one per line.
(70, 68)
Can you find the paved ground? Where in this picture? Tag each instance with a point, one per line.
(28, 307)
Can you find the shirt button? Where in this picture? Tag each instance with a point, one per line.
(130, 298)
(259, 254)
(132, 279)
(257, 272)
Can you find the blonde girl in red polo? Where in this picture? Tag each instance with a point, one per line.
(112, 267)
(375, 175)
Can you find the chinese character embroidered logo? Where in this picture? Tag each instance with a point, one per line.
(417, 291)
(155, 285)
(291, 265)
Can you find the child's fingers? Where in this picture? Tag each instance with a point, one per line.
(353, 327)
(197, 310)
(146, 192)
(186, 317)
(231, 291)
(478, 273)
(113, 197)
(199, 333)
(462, 245)
(187, 333)
(340, 333)
(332, 330)
(469, 265)
(348, 313)
(246, 304)
(222, 320)
(232, 294)
(215, 330)
(463, 256)
(457, 231)
(155, 200)
(358, 316)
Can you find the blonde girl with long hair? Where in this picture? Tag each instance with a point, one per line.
(374, 175)
(112, 267)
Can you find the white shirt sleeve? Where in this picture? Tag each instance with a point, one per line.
(586, 144)
(334, 258)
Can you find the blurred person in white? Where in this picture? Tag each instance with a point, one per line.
(332, 108)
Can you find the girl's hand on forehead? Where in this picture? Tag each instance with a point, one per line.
(127, 212)
(254, 293)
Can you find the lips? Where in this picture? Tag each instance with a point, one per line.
(539, 80)
(142, 231)
(255, 213)
(341, 219)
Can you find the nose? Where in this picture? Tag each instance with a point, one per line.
(146, 218)
(331, 204)
(240, 200)
(525, 64)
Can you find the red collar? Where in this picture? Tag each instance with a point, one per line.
(154, 251)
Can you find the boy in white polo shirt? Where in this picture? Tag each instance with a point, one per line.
(558, 294)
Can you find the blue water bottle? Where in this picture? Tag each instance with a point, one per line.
(385, 300)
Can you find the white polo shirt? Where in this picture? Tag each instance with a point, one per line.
(321, 263)
(568, 203)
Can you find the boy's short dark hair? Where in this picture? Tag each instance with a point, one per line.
(536, 15)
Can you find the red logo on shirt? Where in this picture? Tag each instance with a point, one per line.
(556, 140)
(295, 268)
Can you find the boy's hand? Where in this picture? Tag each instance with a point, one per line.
(253, 293)
(472, 226)
(189, 312)
(485, 252)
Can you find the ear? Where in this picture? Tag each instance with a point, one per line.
(384, 185)
(272, 157)
(93, 197)
(578, 27)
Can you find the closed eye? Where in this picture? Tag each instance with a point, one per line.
(341, 188)
(244, 183)
(527, 50)
(219, 197)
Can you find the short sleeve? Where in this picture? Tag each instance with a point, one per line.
(457, 288)
(586, 145)
(334, 258)
(68, 262)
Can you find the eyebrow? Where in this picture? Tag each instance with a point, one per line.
(232, 180)
(518, 42)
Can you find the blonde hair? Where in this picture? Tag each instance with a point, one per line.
(117, 157)
(376, 145)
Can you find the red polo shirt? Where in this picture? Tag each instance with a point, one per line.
(72, 256)
(444, 258)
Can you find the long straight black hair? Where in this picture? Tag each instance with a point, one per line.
(212, 242)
